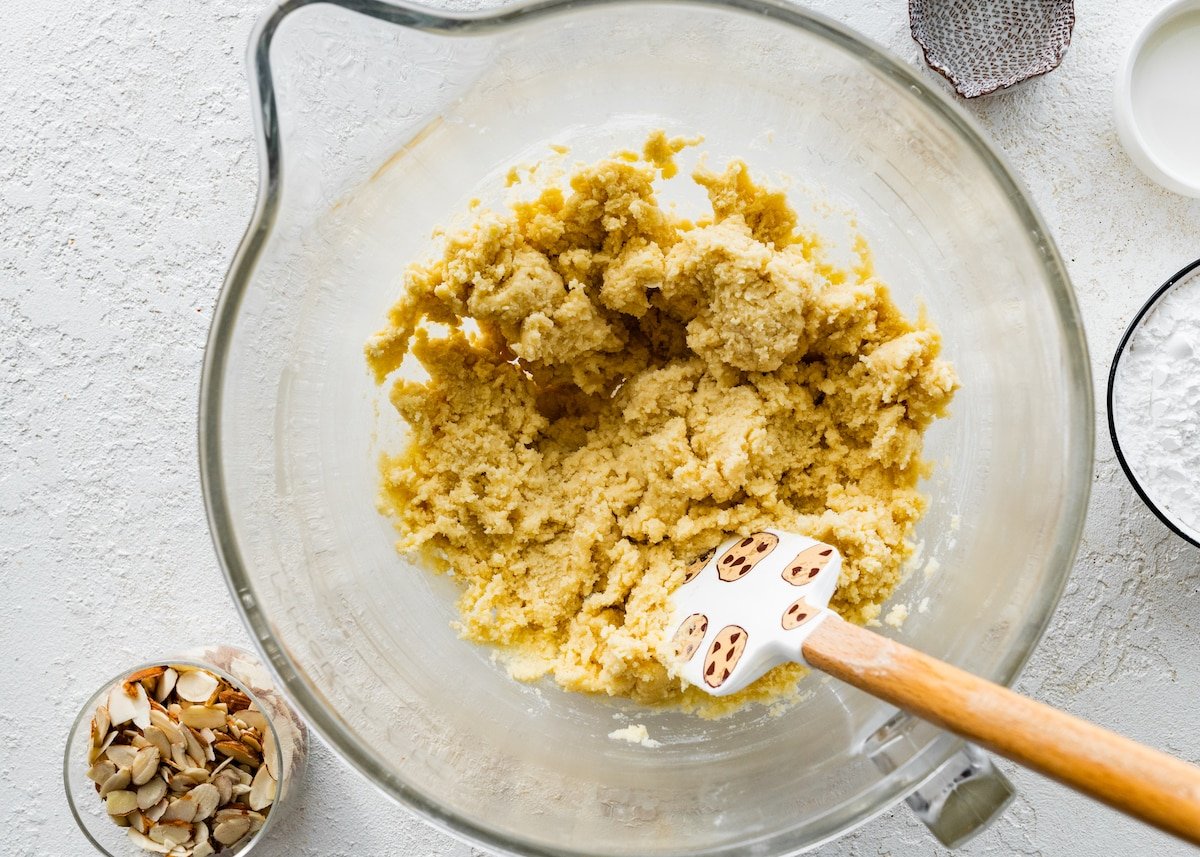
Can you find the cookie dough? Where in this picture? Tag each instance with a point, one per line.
(612, 390)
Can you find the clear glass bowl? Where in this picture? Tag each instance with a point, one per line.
(380, 122)
(240, 669)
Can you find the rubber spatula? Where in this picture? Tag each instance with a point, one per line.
(761, 600)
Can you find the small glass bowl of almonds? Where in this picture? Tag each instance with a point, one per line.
(188, 756)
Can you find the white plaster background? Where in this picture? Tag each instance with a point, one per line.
(127, 174)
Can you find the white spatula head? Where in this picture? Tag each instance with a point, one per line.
(748, 606)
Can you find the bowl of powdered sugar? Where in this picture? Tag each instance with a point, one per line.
(1154, 403)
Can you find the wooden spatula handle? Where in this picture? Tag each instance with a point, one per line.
(1128, 776)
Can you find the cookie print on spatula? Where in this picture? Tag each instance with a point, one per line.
(738, 559)
(743, 591)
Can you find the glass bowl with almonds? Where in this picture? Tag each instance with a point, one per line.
(189, 756)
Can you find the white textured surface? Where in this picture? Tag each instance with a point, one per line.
(127, 173)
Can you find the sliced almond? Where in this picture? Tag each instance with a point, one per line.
(158, 738)
(146, 674)
(231, 812)
(229, 832)
(122, 803)
(238, 752)
(207, 738)
(235, 699)
(121, 707)
(202, 716)
(156, 812)
(101, 722)
(171, 833)
(197, 686)
(204, 849)
(262, 790)
(162, 720)
(151, 793)
(166, 684)
(270, 752)
(115, 783)
(142, 716)
(180, 809)
(145, 765)
(207, 797)
(101, 771)
(96, 753)
(139, 822)
(141, 840)
(224, 786)
(240, 790)
(121, 755)
(195, 749)
(197, 775)
(189, 778)
(128, 702)
(255, 720)
(179, 757)
(257, 820)
(250, 741)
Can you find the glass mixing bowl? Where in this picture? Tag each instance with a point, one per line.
(379, 122)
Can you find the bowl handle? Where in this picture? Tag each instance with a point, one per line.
(960, 798)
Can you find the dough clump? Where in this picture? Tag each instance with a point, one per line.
(613, 390)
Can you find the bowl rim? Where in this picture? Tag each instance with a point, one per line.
(1128, 130)
(1184, 273)
(1078, 455)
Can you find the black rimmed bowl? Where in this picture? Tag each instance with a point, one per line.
(1125, 451)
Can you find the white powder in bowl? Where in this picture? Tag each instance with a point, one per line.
(1156, 404)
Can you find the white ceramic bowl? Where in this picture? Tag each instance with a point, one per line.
(1130, 124)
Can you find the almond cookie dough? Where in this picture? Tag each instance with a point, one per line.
(612, 390)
